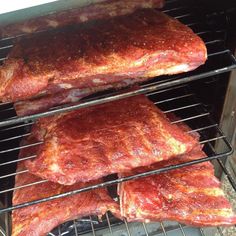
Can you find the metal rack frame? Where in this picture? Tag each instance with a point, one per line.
(178, 99)
(179, 228)
(110, 223)
(164, 231)
(220, 60)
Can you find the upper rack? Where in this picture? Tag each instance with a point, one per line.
(220, 60)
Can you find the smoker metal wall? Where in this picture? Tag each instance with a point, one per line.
(228, 118)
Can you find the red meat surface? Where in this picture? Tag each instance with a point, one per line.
(97, 141)
(189, 195)
(41, 218)
(41, 104)
(98, 10)
(144, 44)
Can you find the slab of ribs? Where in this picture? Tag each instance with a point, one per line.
(41, 218)
(108, 138)
(189, 195)
(97, 9)
(44, 103)
(142, 45)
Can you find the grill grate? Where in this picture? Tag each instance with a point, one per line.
(108, 227)
(179, 99)
(113, 227)
(220, 60)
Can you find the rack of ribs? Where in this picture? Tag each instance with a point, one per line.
(97, 141)
(99, 9)
(190, 195)
(41, 218)
(142, 45)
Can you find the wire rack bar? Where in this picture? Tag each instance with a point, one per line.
(165, 90)
(14, 174)
(174, 98)
(212, 139)
(24, 186)
(182, 108)
(6, 47)
(21, 147)
(191, 118)
(3, 59)
(163, 229)
(59, 231)
(17, 160)
(15, 137)
(2, 232)
(127, 228)
(17, 126)
(145, 229)
(173, 9)
(92, 227)
(75, 227)
(202, 232)
(182, 230)
(109, 224)
(220, 231)
(7, 109)
(202, 128)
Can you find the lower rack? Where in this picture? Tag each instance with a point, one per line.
(180, 100)
(111, 226)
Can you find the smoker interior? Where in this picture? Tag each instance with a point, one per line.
(192, 102)
(220, 59)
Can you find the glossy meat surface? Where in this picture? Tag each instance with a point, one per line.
(98, 10)
(110, 138)
(39, 219)
(145, 44)
(189, 195)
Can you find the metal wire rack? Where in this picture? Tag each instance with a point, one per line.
(220, 60)
(111, 226)
(179, 100)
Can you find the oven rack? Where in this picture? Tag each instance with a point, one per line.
(92, 226)
(179, 100)
(220, 60)
(111, 226)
